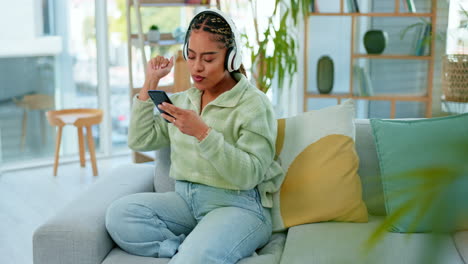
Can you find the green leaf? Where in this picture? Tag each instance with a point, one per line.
(428, 186)
(405, 30)
(284, 59)
(389, 221)
(304, 6)
(294, 11)
(464, 11)
(427, 200)
(276, 6)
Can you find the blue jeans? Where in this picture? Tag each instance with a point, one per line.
(196, 223)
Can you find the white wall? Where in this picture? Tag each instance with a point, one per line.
(20, 19)
(21, 29)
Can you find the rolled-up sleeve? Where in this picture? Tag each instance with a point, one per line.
(147, 131)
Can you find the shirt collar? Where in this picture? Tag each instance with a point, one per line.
(229, 98)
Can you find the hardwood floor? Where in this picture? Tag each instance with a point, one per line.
(29, 197)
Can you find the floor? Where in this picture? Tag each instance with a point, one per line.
(29, 197)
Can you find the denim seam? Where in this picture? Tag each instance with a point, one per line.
(258, 211)
(193, 204)
(155, 215)
(241, 242)
(185, 195)
(115, 235)
(173, 222)
(260, 206)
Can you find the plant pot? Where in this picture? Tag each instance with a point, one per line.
(179, 35)
(325, 74)
(375, 41)
(455, 78)
(154, 36)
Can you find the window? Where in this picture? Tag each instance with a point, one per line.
(457, 33)
(68, 79)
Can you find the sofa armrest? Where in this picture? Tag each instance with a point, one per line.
(162, 181)
(77, 233)
(461, 242)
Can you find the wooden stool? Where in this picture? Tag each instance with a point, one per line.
(39, 102)
(79, 118)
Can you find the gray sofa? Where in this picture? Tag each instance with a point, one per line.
(77, 233)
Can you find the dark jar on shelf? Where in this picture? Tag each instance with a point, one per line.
(325, 75)
(375, 41)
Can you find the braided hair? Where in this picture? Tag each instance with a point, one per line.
(220, 32)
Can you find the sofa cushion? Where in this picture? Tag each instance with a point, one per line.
(162, 181)
(333, 242)
(316, 150)
(369, 169)
(461, 241)
(424, 173)
(118, 256)
(269, 254)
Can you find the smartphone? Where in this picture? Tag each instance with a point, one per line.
(158, 98)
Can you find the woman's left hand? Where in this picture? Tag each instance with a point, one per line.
(187, 121)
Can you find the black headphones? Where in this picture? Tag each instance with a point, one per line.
(233, 59)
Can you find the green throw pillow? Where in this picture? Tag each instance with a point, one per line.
(424, 170)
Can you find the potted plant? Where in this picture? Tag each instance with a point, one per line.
(423, 36)
(454, 73)
(203, 2)
(455, 66)
(153, 34)
(283, 58)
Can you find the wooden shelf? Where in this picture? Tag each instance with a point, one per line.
(373, 14)
(165, 3)
(355, 28)
(390, 57)
(383, 97)
(166, 39)
(161, 43)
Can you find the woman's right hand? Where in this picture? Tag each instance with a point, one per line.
(158, 67)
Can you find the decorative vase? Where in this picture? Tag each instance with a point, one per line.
(154, 36)
(325, 75)
(455, 78)
(179, 35)
(375, 41)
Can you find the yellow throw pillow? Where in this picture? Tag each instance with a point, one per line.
(316, 150)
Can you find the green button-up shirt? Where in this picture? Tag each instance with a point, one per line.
(237, 153)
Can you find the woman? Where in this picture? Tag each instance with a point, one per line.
(222, 135)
